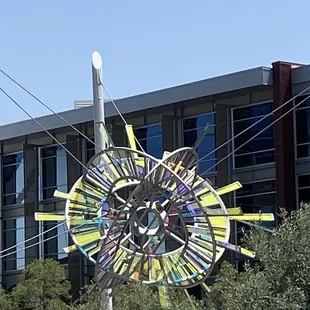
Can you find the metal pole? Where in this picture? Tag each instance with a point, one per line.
(99, 120)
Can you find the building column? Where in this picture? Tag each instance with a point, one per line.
(284, 137)
(74, 171)
(168, 128)
(31, 200)
(223, 134)
(222, 123)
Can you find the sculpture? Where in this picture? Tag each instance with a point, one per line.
(149, 220)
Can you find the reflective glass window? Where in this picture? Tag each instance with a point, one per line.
(303, 182)
(260, 150)
(302, 113)
(13, 236)
(54, 240)
(53, 171)
(150, 138)
(192, 129)
(13, 179)
(257, 197)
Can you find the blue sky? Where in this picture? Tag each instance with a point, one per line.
(146, 45)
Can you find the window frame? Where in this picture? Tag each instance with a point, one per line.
(295, 132)
(1, 190)
(298, 188)
(145, 139)
(214, 126)
(21, 248)
(40, 178)
(237, 231)
(91, 149)
(42, 233)
(253, 182)
(233, 135)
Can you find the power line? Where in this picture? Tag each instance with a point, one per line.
(120, 114)
(125, 122)
(62, 118)
(59, 143)
(254, 124)
(50, 238)
(252, 138)
(135, 137)
(158, 163)
(43, 128)
(50, 109)
(40, 234)
(56, 140)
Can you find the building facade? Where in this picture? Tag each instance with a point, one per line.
(274, 167)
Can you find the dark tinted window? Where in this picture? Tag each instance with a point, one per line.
(192, 129)
(14, 235)
(12, 179)
(255, 145)
(150, 138)
(257, 197)
(302, 114)
(53, 171)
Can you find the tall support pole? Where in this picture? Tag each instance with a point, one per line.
(99, 121)
(98, 101)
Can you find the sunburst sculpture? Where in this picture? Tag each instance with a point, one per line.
(149, 220)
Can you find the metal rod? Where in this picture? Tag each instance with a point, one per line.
(100, 143)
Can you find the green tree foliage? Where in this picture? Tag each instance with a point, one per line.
(44, 288)
(139, 297)
(5, 300)
(281, 279)
(89, 300)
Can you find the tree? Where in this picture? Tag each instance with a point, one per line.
(281, 278)
(89, 300)
(5, 300)
(139, 297)
(44, 288)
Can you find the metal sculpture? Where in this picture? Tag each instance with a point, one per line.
(149, 220)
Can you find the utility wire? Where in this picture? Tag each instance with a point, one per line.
(50, 238)
(252, 138)
(62, 118)
(124, 120)
(58, 142)
(120, 114)
(44, 129)
(51, 110)
(126, 123)
(254, 124)
(59, 116)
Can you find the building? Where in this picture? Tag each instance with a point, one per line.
(274, 167)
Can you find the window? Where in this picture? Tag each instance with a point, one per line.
(256, 197)
(304, 188)
(53, 171)
(303, 127)
(13, 235)
(260, 150)
(192, 128)
(13, 179)
(150, 138)
(53, 242)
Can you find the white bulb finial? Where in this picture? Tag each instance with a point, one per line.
(96, 60)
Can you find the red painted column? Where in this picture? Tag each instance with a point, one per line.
(284, 137)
